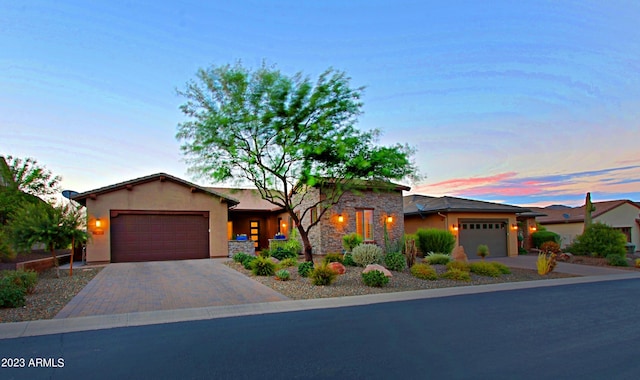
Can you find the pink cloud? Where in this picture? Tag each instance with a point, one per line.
(474, 181)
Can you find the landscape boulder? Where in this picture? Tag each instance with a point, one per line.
(372, 267)
(337, 267)
(458, 254)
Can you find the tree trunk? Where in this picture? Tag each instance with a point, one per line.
(55, 259)
(308, 250)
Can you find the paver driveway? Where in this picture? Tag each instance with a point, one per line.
(165, 285)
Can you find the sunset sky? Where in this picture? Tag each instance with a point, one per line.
(526, 103)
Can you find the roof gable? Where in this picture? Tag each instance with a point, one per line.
(128, 185)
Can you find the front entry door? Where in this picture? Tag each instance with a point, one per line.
(254, 232)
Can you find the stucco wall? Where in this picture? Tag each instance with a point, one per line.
(567, 231)
(623, 216)
(156, 196)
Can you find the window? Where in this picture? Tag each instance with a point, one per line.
(364, 224)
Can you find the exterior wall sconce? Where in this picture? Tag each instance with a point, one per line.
(340, 218)
(454, 227)
(98, 227)
(284, 225)
(98, 223)
(514, 227)
(389, 219)
(533, 228)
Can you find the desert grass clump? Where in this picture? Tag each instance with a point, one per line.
(323, 275)
(437, 258)
(546, 263)
(395, 261)
(288, 263)
(501, 267)
(459, 265)
(304, 269)
(263, 266)
(424, 271)
(457, 275)
(484, 268)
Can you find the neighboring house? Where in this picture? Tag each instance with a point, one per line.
(367, 210)
(568, 222)
(153, 218)
(472, 222)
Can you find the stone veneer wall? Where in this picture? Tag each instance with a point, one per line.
(326, 237)
(241, 246)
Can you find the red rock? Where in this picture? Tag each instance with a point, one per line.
(337, 267)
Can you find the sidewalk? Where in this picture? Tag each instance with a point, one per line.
(58, 326)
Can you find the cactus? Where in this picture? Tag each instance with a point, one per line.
(588, 209)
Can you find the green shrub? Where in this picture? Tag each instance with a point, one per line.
(539, 237)
(484, 268)
(322, 275)
(522, 251)
(347, 260)
(26, 279)
(459, 265)
(501, 267)
(287, 263)
(456, 274)
(240, 257)
(375, 278)
(600, 240)
(437, 259)
(263, 266)
(617, 261)
(333, 258)
(350, 241)
(395, 261)
(366, 254)
(637, 263)
(281, 252)
(483, 250)
(247, 261)
(304, 269)
(283, 275)
(435, 240)
(424, 271)
(11, 295)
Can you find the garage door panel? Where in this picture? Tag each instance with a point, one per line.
(492, 233)
(151, 237)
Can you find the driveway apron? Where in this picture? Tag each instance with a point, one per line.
(151, 286)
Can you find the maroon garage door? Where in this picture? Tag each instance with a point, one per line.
(159, 236)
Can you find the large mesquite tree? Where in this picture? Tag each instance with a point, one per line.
(283, 134)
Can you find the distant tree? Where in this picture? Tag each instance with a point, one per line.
(25, 175)
(23, 180)
(283, 134)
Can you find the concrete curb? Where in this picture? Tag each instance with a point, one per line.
(68, 325)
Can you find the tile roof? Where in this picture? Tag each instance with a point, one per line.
(423, 204)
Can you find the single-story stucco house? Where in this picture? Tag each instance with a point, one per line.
(162, 217)
(472, 222)
(568, 222)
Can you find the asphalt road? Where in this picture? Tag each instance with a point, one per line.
(585, 331)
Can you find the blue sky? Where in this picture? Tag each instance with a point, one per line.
(528, 103)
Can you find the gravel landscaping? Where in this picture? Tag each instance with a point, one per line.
(350, 283)
(50, 296)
